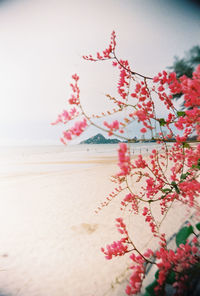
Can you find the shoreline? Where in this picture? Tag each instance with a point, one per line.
(51, 237)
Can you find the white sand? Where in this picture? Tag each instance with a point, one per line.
(50, 237)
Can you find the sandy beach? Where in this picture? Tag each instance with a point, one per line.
(50, 235)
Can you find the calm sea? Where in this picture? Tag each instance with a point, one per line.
(33, 159)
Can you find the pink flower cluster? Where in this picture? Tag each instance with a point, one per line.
(137, 275)
(140, 162)
(170, 79)
(120, 247)
(153, 187)
(121, 226)
(124, 77)
(114, 126)
(138, 272)
(149, 219)
(76, 130)
(66, 116)
(192, 156)
(189, 87)
(131, 199)
(79, 126)
(106, 54)
(124, 160)
(189, 190)
(189, 122)
(75, 99)
(180, 262)
(141, 92)
(144, 115)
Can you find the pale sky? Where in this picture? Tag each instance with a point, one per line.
(42, 42)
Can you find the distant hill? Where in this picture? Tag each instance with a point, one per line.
(100, 139)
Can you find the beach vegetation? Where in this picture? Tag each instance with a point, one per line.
(167, 178)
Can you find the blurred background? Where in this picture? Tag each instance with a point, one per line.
(42, 43)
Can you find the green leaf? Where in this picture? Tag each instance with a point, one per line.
(181, 113)
(184, 176)
(165, 190)
(157, 274)
(175, 187)
(146, 294)
(186, 145)
(162, 122)
(198, 226)
(150, 288)
(196, 166)
(183, 235)
(171, 278)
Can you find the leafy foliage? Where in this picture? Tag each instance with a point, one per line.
(187, 64)
(183, 235)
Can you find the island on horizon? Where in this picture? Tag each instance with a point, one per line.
(100, 139)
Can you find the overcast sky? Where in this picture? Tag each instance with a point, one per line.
(42, 42)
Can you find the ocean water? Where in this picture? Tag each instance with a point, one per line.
(21, 160)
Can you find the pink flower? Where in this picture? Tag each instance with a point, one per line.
(140, 162)
(67, 135)
(75, 77)
(143, 130)
(114, 126)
